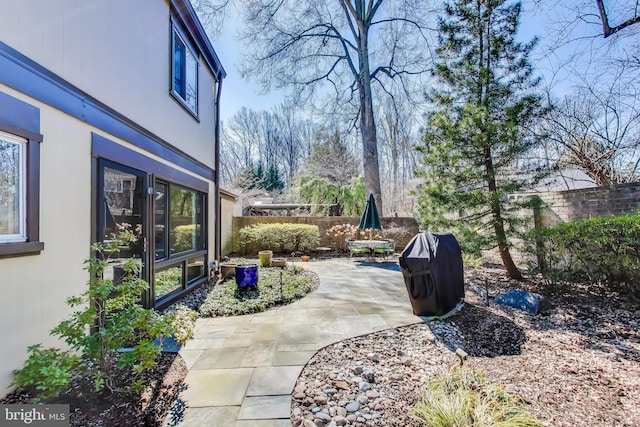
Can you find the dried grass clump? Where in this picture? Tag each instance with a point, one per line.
(463, 398)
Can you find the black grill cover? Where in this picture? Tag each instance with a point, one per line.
(432, 268)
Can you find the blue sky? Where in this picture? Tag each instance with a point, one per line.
(238, 92)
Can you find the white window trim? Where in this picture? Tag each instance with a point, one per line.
(22, 144)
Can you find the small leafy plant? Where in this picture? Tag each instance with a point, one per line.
(108, 319)
(49, 370)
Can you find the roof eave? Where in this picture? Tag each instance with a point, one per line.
(192, 24)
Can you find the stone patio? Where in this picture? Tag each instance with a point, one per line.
(242, 369)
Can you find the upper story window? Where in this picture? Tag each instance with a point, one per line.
(12, 188)
(184, 73)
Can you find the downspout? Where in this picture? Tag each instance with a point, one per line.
(216, 163)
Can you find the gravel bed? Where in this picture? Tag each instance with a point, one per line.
(576, 364)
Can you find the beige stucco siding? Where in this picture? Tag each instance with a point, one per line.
(117, 51)
(227, 213)
(34, 288)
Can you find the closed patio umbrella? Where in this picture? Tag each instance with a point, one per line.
(370, 219)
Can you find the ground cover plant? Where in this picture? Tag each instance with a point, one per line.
(70, 380)
(464, 397)
(575, 364)
(276, 286)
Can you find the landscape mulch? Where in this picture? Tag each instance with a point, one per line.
(576, 364)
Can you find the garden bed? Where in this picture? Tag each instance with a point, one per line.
(148, 408)
(577, 364)
(166, 379)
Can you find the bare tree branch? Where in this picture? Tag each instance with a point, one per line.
(328, 47)
(607, 30)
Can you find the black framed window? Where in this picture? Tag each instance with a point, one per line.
(122, 205)
(168, 280)
(161, 206)
(186, 220)
(184, 71)
(173, 216)
(19, 191)
(180, 238)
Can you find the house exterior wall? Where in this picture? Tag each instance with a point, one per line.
(117, 51)
(228, 210)
(35, 287)
(94, 70)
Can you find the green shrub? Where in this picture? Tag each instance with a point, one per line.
(49, 370)
(108, 317)
(185, 236)
(279, 237)
(598, 250)
(463, 397)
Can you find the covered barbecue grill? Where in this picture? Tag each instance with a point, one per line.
(433, 273)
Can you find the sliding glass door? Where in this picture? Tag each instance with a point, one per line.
(122, 206)
(166, 210)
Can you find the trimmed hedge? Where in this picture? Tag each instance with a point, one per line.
(280, 238)
(184, 237)
(599, 250)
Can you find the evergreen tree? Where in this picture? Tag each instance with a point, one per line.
(480, 128)
(272, 181)
(255, 177)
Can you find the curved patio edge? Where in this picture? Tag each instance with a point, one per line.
(242, 369)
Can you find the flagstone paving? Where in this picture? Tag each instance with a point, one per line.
(242, 369)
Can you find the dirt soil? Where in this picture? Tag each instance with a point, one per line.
(124, 409)
(576, 364)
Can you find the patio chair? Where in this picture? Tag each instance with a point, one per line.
(359, 251)
(386, 250)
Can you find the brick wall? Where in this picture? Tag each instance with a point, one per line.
(325, 223)
(569, 205)
(562, 206)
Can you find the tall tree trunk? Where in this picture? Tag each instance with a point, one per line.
(367, 122)
(498, 222)
(483, 94)
(393, 136)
